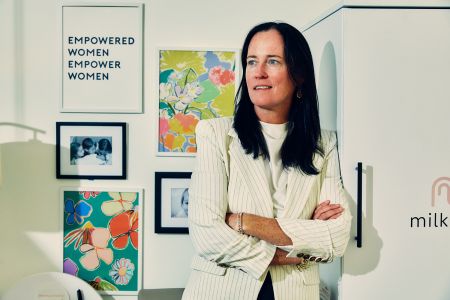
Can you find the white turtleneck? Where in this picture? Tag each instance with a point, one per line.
(274, 135)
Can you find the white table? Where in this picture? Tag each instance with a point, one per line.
(51, 286)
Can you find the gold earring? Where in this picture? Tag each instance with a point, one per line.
(299, 95)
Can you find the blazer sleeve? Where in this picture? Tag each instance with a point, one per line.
(317, 239)
(212, 238)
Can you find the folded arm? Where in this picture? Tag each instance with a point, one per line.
(269, 230)
(322, 237)
(212, 238)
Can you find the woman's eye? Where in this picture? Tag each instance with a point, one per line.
(273, 62)
(251, 62)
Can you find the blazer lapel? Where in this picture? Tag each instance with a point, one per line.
(252, 172)
(299, 189)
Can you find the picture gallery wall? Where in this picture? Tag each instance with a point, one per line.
(102, 58)
(102, 102)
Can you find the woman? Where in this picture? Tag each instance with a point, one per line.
(266, 199)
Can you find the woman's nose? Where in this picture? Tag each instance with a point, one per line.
(260, 71)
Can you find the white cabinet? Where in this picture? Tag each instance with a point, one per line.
(386, 72)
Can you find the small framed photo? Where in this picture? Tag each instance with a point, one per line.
(102, 237)
(90, 150)
(194, 85)
(172, 199)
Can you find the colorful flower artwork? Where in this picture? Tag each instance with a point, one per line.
(193, 86)
(101, 239)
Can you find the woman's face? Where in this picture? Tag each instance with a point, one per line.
(269, 84)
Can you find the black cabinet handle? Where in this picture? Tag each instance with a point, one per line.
(358, 237)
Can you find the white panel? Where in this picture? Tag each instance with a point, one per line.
(396, 122)
(325, 42)
(102, 58)
(374, 4)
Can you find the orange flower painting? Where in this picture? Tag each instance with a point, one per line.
(193, 86)
(101, 237)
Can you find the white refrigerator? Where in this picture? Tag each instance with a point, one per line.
(383, 76)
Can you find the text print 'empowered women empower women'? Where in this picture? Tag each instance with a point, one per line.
(91, 58)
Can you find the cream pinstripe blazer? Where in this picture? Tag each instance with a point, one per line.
(229, 265)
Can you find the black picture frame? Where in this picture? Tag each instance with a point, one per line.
(165, 220)
(72, 134)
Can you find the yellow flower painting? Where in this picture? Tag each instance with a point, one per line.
(193, 86)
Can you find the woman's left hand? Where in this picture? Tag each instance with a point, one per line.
(327, 211)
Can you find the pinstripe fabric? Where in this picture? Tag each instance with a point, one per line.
(229, 265)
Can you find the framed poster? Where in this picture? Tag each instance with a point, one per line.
(171, 202)
(102, 58)
(91, 150)
(194, 85)
(102, 238)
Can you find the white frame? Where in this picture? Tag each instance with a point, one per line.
(237, 82)
(134, 104)
(167, 184)
(140, 192)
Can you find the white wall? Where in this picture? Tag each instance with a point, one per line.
(30, 207)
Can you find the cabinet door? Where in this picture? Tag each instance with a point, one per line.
(325, 42)
(396, 121)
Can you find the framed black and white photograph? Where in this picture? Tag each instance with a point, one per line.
(90, 150)
(171, 202)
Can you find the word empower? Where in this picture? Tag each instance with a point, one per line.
(110, 64)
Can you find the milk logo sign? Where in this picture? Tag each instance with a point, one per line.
(438, 189)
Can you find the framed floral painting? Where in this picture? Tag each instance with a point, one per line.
(102, 238)
(194, 85)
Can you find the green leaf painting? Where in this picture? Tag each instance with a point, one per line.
(193, 86)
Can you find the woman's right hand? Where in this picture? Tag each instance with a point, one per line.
(327, 211)
(280, 259)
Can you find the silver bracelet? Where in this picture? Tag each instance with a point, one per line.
(239, 223)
